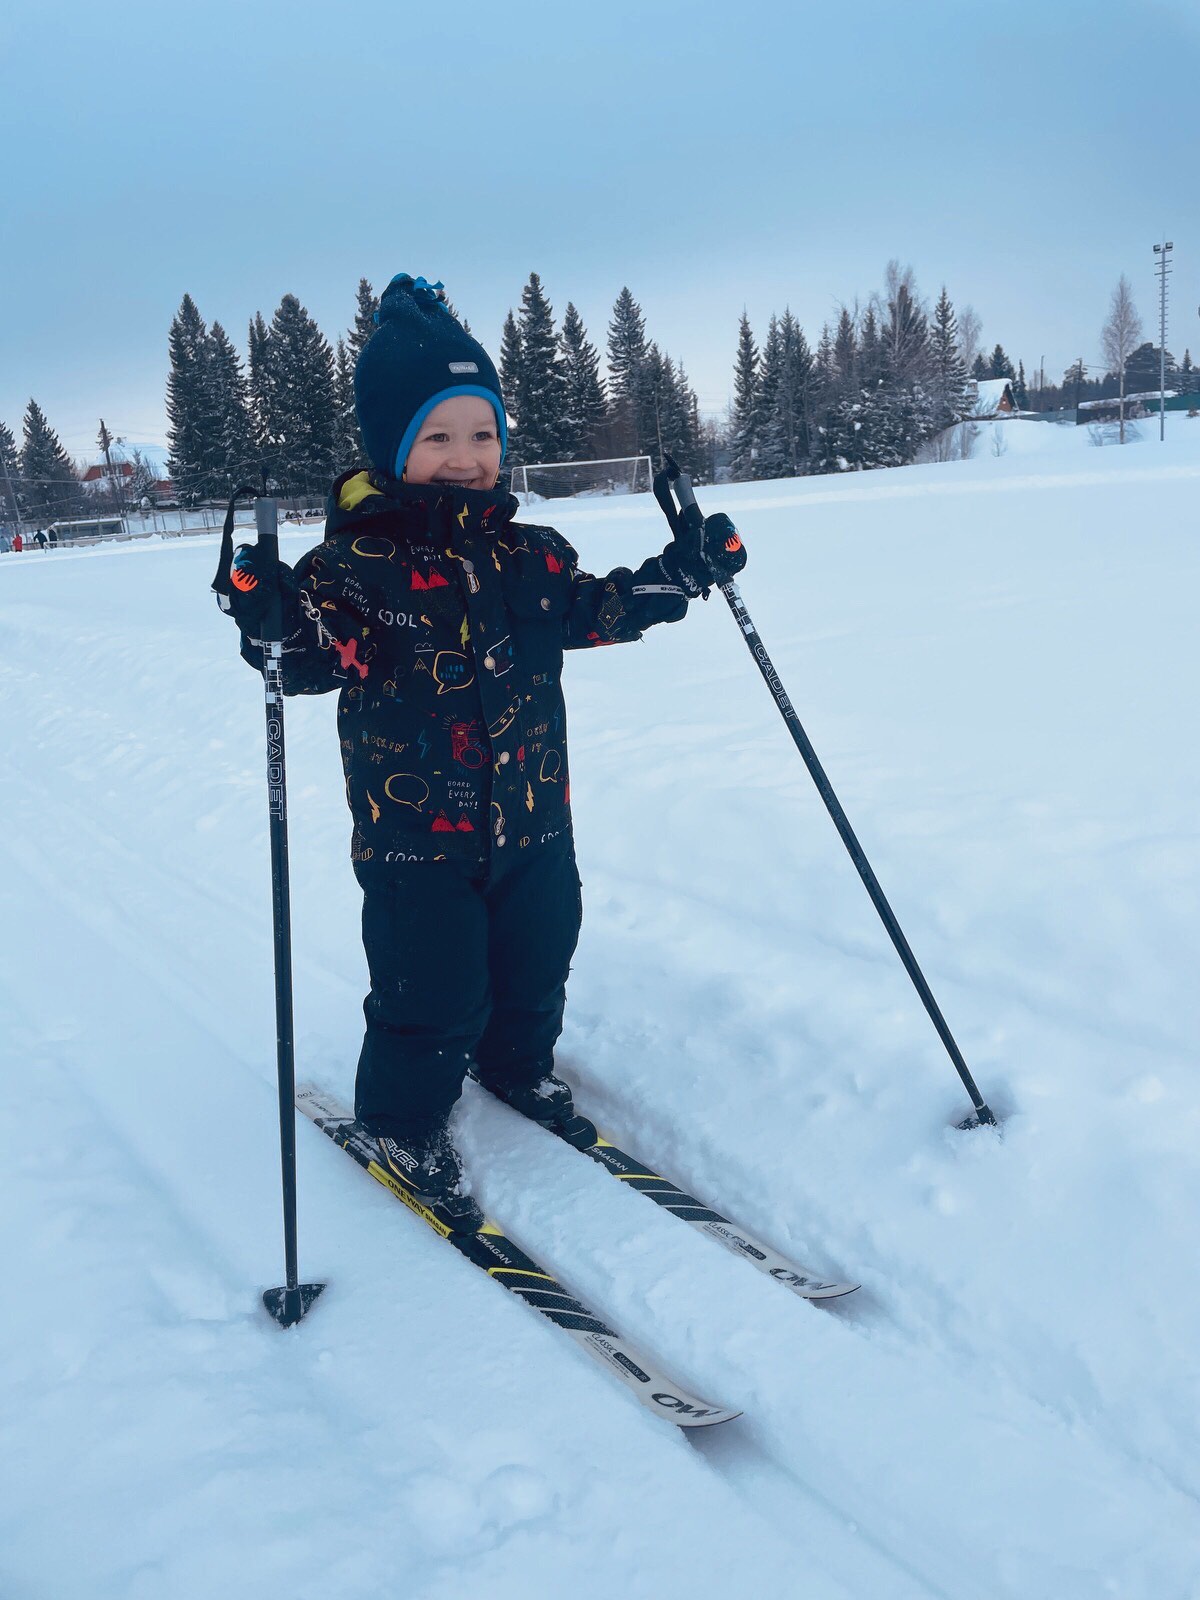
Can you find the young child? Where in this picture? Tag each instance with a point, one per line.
(442, 622)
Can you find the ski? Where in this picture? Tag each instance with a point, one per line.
(484, 1244)
(583, 1135)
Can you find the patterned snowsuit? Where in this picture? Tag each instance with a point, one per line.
(442, 622)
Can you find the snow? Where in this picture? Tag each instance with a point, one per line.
(995, 660)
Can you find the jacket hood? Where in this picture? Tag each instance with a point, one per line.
(362, 496)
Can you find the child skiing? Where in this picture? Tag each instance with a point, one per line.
(442, 622)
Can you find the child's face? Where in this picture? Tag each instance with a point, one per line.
(458, 443)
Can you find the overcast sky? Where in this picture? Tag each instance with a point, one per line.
(753, 154)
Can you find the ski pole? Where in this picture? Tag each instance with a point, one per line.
(288, 1303)
(689, 517)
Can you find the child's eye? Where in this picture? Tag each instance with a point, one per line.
(436, 438)
(485, 434)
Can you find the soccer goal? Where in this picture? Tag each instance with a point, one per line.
(557, 480)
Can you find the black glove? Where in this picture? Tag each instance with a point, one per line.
(250, 583)
(700, 558)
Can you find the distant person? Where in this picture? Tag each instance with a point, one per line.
(18, 543)
(40, 539)
(452, 727)
(54, 537)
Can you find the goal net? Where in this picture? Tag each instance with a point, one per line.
(557, 480)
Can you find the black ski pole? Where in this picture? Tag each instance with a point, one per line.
(288, 1303)
(689, 516)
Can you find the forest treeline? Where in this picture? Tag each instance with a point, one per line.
(875, 385)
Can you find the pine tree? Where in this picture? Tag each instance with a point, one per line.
(770, 462)
(259, 381)
(980, 369)
(511, 363)
(1187, 373)
(584, 390)
(845, 352)
(901, 412)
(230, 456)
(349, 443)
(949, 385)
(826, 444)
(1000, 366)
(49, 483)
(790, 422)
(905, 336)
(870, 351)
(745, 420)
(364, 318)
(191, 410)
(1020, 392)
(541, 387)
(302, 415)
(629, 413)
(674, 411)
(10, 473)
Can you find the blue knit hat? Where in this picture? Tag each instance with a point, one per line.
(418, 356)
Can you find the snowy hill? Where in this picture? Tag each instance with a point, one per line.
(996, 661)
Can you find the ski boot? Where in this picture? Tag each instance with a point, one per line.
(426, 1164)
(549, 1103)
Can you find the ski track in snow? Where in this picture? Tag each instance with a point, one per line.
(995, 679)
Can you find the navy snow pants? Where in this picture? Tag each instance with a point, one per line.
(468, 964)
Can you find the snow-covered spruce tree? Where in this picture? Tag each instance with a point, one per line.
(824, 451)
(367, 304)
(192, 433)
(350, 447)
(541, 385)
(302, 415)
(510, 384)
(911, 411)
(789, 425)
(845, 352)
(870, 350)
(348, 440)
(49, 482)
(745, 419)
(770, 462)
(231, 458)
(950, 388)
(630, 416)
(674, 410)
(10, 474)
(260, 384)
(692, 442)
(586, 405)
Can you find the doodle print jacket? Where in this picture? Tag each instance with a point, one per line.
(442, 622)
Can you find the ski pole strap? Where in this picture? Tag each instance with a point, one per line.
(221, 585)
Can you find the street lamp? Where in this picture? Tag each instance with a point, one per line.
(1163, 252)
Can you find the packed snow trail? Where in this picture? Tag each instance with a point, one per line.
(998, 684)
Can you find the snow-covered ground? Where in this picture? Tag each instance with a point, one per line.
(996, 660)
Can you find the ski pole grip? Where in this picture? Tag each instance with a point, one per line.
(693, 517)
(266, 521)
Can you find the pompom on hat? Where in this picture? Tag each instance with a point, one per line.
(418, 356)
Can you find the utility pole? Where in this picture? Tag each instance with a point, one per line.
(105, 442)
(1163, 252)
